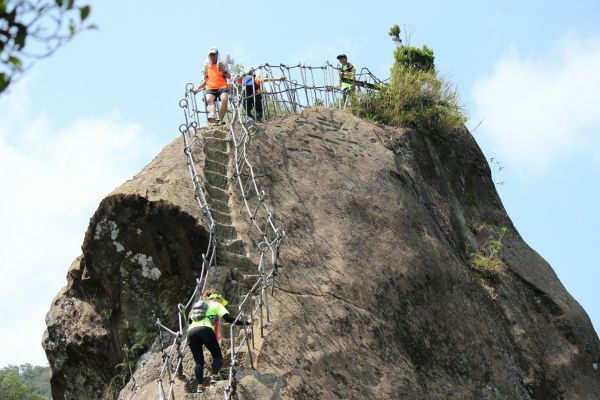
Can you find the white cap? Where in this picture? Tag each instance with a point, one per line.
(213, 50)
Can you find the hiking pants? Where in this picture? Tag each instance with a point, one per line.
(198, 337)
(256, 103)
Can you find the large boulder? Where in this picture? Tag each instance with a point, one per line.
(376, 297)
(141, 255)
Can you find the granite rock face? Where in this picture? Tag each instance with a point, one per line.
(375, 299)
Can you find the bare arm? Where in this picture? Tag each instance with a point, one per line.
(203, 83)
(202, 86)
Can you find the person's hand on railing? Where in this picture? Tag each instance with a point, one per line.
(200, 87)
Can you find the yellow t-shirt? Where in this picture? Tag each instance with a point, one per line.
(215, 310)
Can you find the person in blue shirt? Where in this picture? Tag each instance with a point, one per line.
(252, 93)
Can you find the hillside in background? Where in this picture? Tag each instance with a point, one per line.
(25, 382)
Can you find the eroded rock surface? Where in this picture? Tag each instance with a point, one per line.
(375, 299)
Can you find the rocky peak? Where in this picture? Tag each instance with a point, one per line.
(377, 296)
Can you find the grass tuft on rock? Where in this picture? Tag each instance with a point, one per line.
(487, 260)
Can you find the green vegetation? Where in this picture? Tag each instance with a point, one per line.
(238, 69)
(273, 108)
(142, 340)
(471, 199)
(119, 381)
(417, 97)
(107, 314)
(487, 261)
(395, 34)
(142, 343)
(34, 29)
(413, 58)
(24, 382)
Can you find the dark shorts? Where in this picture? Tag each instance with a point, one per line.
(217, 92)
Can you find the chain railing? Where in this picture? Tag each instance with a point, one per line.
(172, 365)
(308, 86)
(264, 232)
(303, 86)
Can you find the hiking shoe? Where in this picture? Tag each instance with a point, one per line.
(212, 119)
(200, 389)
(214, 379)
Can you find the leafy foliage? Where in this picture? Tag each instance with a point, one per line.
(416, 96)
(239, 69)
(119, 381)
(395, 34)
(142, 343)
(410, 57)
(143, 340)
(107, 313)
(24, 382)
(34, 29)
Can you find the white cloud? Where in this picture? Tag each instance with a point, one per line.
(52, 181)
(539, 111)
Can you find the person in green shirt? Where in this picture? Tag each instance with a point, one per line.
(201, 332)
(346, 73)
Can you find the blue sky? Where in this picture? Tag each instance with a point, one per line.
(83, 121)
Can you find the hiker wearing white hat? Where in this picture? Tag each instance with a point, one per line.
(216, 74)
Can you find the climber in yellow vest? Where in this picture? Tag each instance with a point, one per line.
(203, 318)
(346, 74)
(216, 74)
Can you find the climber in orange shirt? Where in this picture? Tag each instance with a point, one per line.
(215, 80)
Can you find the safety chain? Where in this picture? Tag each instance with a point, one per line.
(304, 86)
(172, 361)
(265, 233)
(307, 86)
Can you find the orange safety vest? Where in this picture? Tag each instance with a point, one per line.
(214, 77)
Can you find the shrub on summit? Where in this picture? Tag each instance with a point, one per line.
(417, 97)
